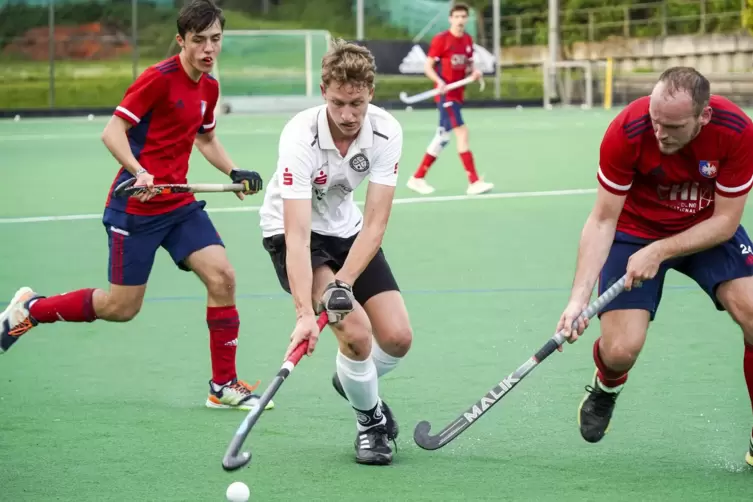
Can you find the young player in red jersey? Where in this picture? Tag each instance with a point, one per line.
(168, 108)
(674, 174)
(453, 51)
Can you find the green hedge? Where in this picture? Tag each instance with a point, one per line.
(107, 91)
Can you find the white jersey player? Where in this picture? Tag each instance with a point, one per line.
(327, 253)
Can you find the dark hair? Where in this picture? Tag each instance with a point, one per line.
(690, 80)
(458, 7)
(198, 15)
(348, 63)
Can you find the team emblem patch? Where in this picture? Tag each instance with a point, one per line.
(203, 107)
(359, 163)
(709, 168)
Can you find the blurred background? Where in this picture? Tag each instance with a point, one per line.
(61, 57)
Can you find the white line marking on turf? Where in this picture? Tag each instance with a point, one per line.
(496, 126)
(406, 200)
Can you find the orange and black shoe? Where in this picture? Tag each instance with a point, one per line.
(15, 319)
(236, 394)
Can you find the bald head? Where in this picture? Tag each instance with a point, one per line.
(679, 107)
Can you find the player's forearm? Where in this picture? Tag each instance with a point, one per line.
(365, 247)
(215, 153)
(430, 72)
(595, 243)
(116, 140)
(704, 235)
(300, 275)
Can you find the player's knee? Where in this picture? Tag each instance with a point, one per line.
(741, 310)
(619, 351)
(355, 337)
(397, 341)
(122, 311)
(220, 281)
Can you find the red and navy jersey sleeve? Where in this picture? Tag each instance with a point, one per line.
(736, 175)
(437, 47)
(142, 96)
(210, 122)
(618, 154)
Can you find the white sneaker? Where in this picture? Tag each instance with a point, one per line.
(419, 185)
(235, 394)
(479, 187)
(15, 319)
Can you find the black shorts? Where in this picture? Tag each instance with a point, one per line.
(326, 250)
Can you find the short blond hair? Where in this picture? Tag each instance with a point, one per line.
(348, 63)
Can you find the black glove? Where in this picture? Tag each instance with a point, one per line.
(250, 179)
(337, 300)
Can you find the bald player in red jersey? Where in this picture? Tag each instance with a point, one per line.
(452, 51)
(153, 130)
(674, 173)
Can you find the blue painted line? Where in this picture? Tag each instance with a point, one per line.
(410, 292)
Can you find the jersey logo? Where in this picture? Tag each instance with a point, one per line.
(709, 168)
(287, 177)
(321, 179)
(179, 104)
(359, 163)
(203, 107)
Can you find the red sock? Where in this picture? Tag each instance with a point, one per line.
(76, 306)
(748, 370)
(425, 165)
(606, 376)
(224, 324)
(470, 167)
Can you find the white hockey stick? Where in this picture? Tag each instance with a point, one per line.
(433, 92)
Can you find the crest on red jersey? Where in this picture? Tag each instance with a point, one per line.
(203, 107)
(709, 168)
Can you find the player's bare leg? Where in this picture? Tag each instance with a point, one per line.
(623, 333)
(27, 309)
(357, 375)
(476, 185)
(740, 309)
(226, 391)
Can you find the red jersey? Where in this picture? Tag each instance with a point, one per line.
(667, 194)
(454, 56)
(166, 109)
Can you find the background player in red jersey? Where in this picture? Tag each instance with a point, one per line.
(674, 174)
(151, 134)
(453, 50)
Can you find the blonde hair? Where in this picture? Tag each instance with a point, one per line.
(348, 63)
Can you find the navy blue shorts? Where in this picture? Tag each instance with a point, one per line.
(725, 262)
(134, 240)
(450, 115)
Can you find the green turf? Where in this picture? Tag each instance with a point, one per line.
(97, 412)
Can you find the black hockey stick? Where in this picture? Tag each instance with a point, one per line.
(233, 458)
(428, 442)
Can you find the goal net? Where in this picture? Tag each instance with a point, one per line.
(579, 83)
(270, 70)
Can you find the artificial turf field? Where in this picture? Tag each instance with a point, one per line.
(100, 412)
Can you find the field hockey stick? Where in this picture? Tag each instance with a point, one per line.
(428, 442)
(233, 458)
(126, 188)
(433, 92)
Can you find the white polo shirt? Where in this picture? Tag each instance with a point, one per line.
(309, 166)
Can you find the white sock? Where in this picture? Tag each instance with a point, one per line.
(383, 361)
(359, 381)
